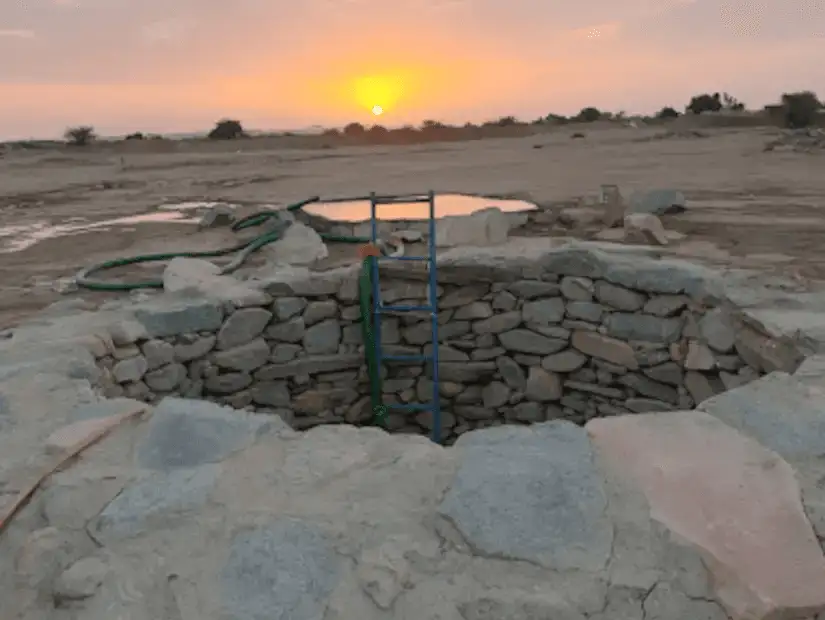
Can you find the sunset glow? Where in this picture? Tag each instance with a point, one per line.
(293, 65)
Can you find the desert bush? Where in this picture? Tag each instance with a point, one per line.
(431, 125)
(507, 121)
(667, 112)
(800, 109)
(704, 103)
(354, 129)
(732, 103)
(588, 115)
(80, 136)
(227, 129)
(135, 136)
(556, 119)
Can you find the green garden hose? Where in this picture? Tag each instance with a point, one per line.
(244, 250)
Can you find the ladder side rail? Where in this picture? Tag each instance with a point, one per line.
(376, 290)
(433, 281)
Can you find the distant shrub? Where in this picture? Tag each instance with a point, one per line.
(80, 136)
(227, 129)
(431, 125)
(704, 103)
(800, 109)
(667, 112)
(354, 129)
(556, 119)
(135, 136)
(507, 121)
(588, 115)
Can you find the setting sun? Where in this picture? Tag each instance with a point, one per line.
(377, 110)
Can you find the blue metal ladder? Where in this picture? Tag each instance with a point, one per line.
(379, 308)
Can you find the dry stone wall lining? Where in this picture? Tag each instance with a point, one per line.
(512, 350)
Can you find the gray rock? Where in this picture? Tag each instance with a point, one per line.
(526, 341)
(168, 317)
(666, 305)
(466, 372)
(585, 311)
(129, 370)
(717, 330)
(287, 307)
(323, 337)
(317, 311)
(542, 386)
(228, 383)
(186, 433)
(498, 323)
(544, 311)
(643, 328)
(81, 580)
(473, 311)
(159, 500)
(533, 289)
(242, 326)
(283, 571)
(512, 373)
(165, 379)
(193, 346)
(619, 297)
(158, 353)
(100, 409)
(531, 494)
(647, 405)
(462, 296)
(291, 331)
(284, 352)
(648, 387)
(505, 302)
(577, 289)
(566, 361)
(495, 395)
(669, 372)
(779, 411)
(246, 357)
(309, 366)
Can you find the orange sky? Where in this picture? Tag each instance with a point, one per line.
(179, 65)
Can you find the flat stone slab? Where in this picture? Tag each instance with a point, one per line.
(283, 571)
(185, 433)
(738, 504)
(779, 411)
(155, 502)
(531, 494)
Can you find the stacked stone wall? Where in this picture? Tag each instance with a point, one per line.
(521, 350)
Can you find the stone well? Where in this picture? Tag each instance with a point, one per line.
(568, 333)
(711, 505)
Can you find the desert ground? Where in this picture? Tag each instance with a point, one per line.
(745, 206)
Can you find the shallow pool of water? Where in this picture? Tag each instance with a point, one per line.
(445, 205)
(24, 236)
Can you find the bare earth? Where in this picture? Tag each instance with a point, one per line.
(746, 206)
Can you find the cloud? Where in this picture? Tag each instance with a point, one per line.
(17, 34)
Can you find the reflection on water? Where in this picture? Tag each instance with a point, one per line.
(445, 204)
(19, 238)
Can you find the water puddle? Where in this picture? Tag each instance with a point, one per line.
(22, 237)
(445, 205)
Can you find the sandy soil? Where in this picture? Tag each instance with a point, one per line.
(746, 206)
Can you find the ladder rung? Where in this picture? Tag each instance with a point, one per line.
(397, 200)
(412, 406)
(415, 258)
(406, 358)
(405, 309)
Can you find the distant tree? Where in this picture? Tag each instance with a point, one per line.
(430, 125)
(704, 103)
(80, 136)
(732, 103)
(800, 109)
(556, 119)
(354, 129)
(507, 121)
(135, 136)
(331, 133)
(588, 115)
(667, 112)
(227, 129)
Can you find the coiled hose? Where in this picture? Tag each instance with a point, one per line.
(244, 250)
